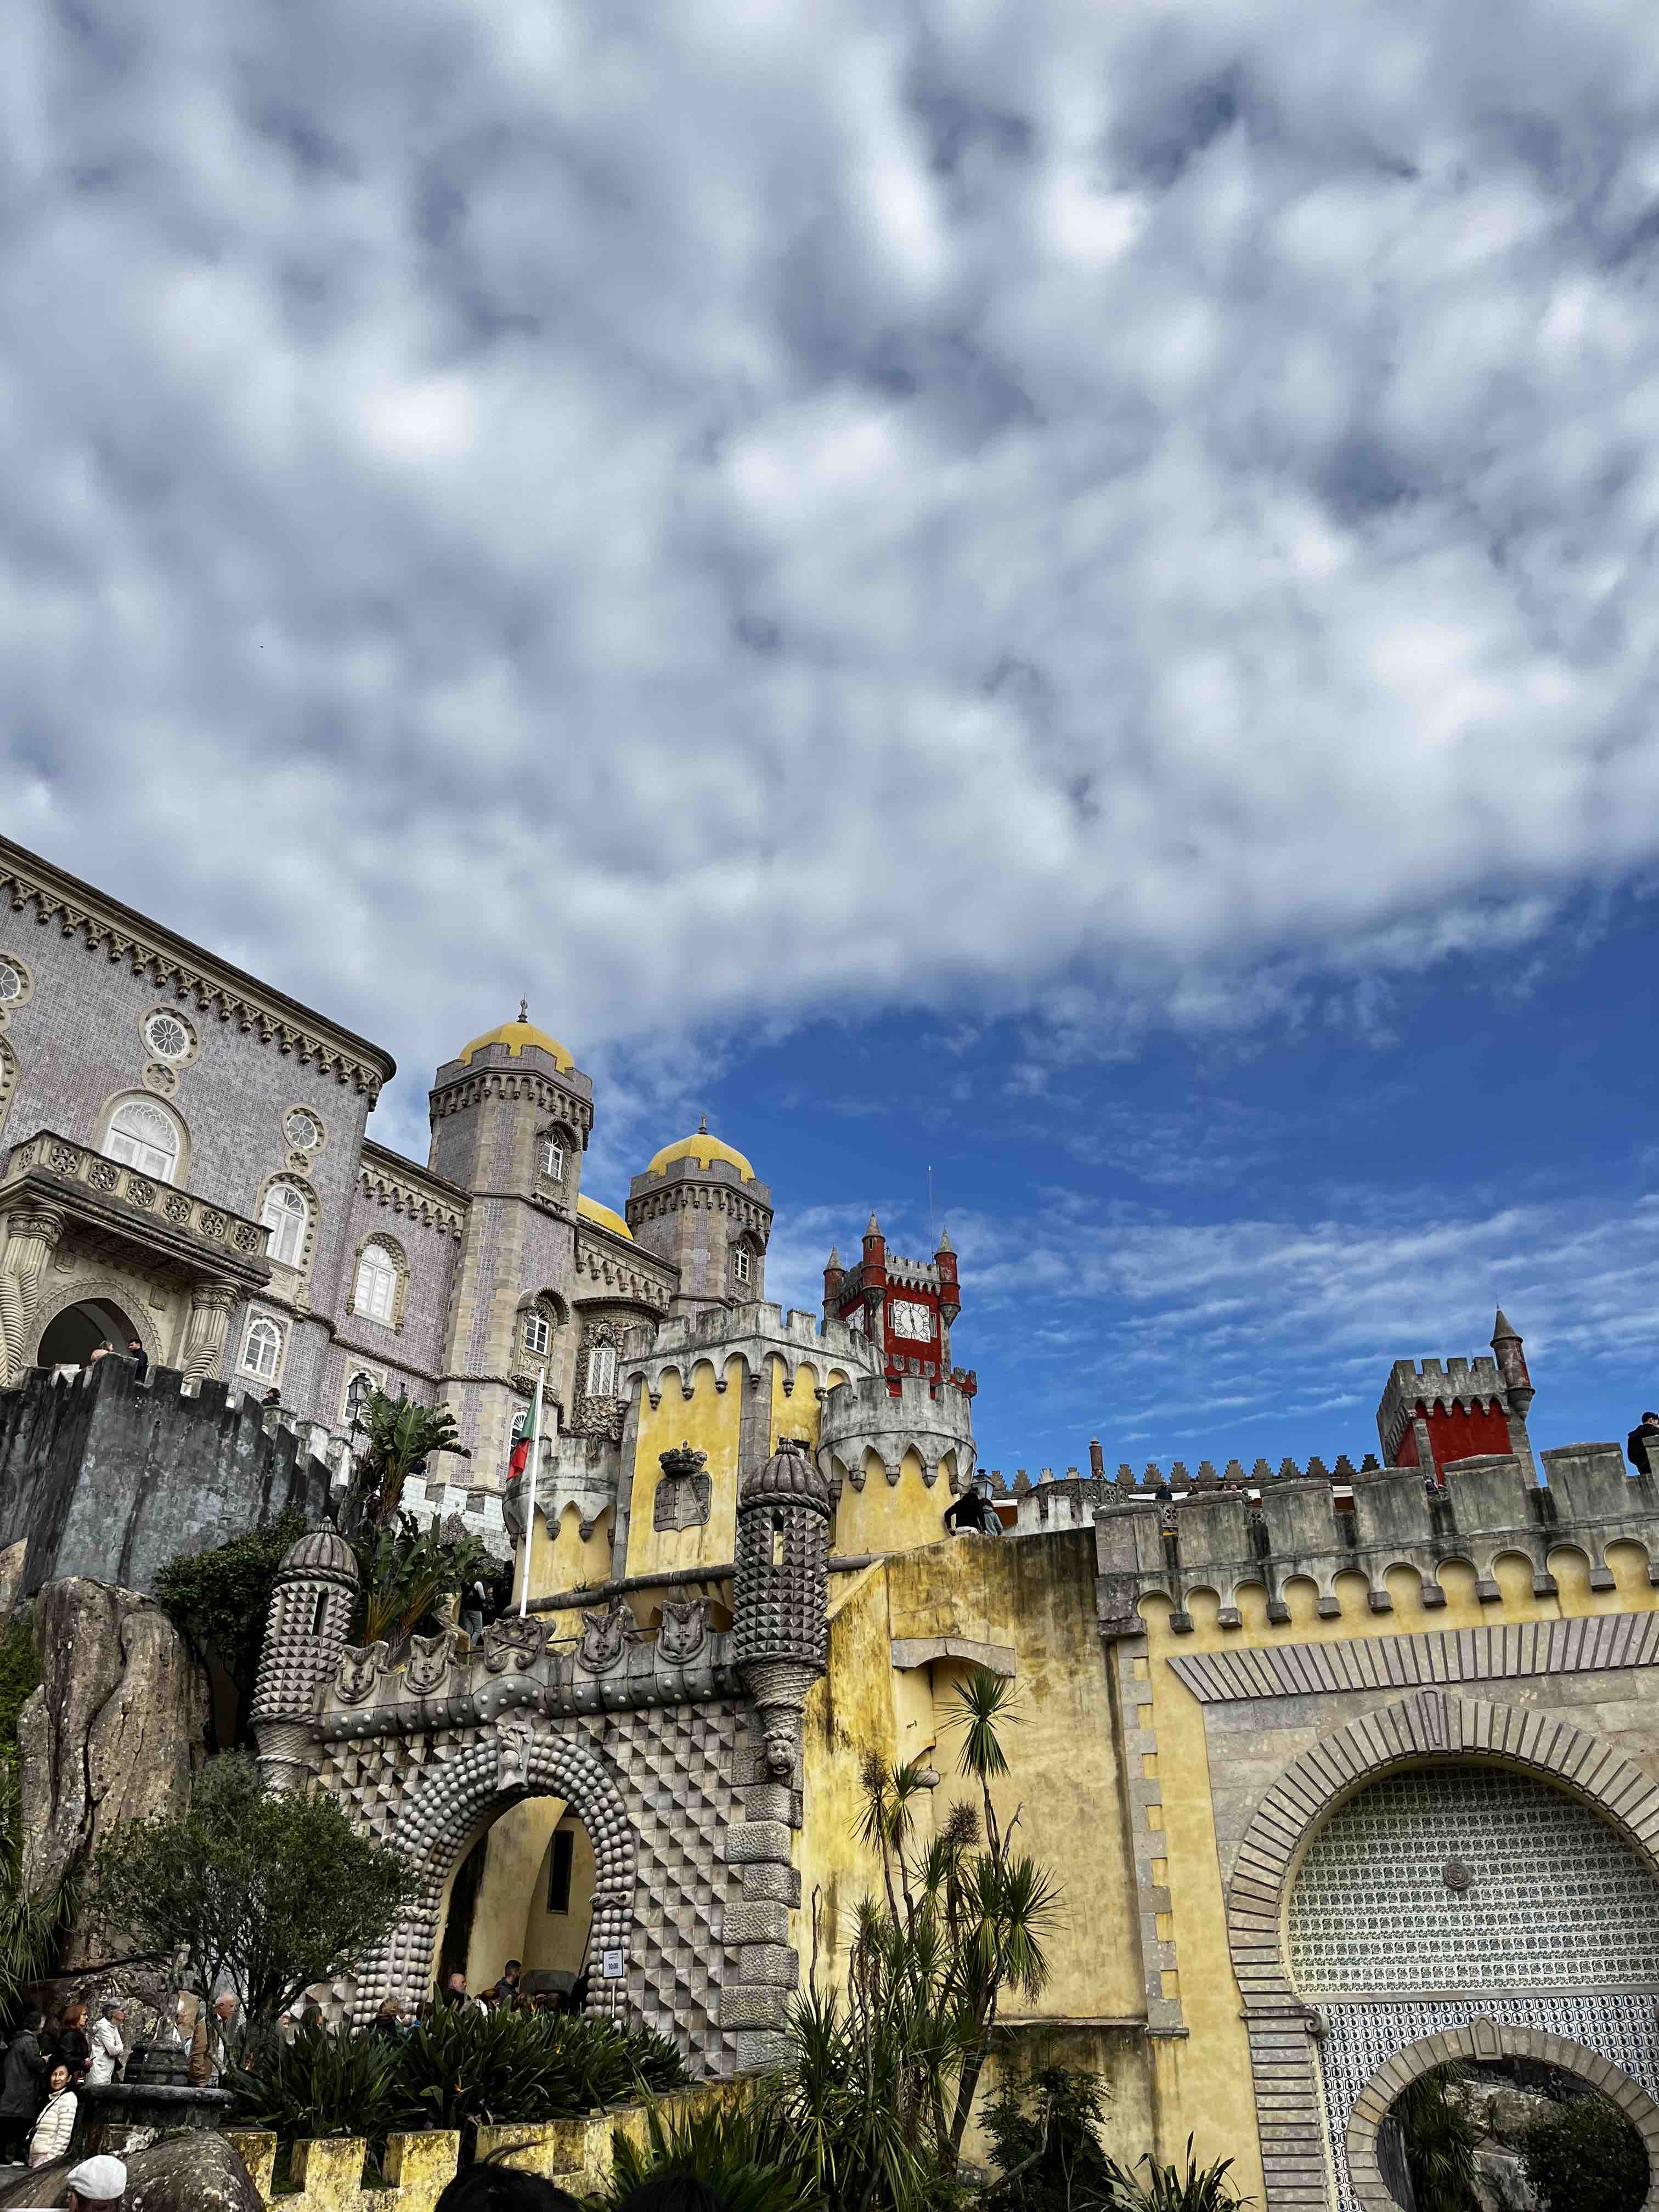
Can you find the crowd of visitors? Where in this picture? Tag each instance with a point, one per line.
(44, 2068)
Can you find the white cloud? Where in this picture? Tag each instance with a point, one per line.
(693, 511)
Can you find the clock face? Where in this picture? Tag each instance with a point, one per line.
(907, 1318)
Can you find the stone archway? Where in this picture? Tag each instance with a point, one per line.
(122, 1294)
(1487, 2039)
(1426, 1729)
(456, 1803)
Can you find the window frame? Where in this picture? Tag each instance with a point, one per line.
(375, 1257)
(743, 1264)
(258, 1323)
(295, 1209)
(172, 1174)
(554, 1870)
(535, 1320)
(601, 1357)
(553, 1159)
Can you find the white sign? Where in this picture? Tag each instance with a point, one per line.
(611, 1966)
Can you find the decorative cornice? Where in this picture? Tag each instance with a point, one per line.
(545, 1093)
(385, 1181)
(175, 963)
(599, 1257)
(1587, 1645)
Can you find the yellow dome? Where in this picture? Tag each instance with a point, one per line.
(515, 1036)
(702, 1148)
(591, 1210)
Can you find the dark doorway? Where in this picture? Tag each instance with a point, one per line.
(77, 1334)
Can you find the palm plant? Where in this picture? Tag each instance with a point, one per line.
(406, 1572)
(1440, 2141)
(401, 1437)
(1168, 2189)
(30, 1919)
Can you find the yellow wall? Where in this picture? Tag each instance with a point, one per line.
(889, 1516)
(708, 1421)
(517, 1847)
(571, 1562)
(560, 1939)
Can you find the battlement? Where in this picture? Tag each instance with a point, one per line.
(1465, 1402)
(109, 1476)
(1174, 1484)
(931, 1419)
(748, 1337)
(1223, 1537)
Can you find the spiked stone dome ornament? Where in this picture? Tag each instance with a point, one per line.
(781, 1635)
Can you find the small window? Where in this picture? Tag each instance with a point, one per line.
(602, 1371)
(167, 1037)
(11, 983)
(376, 1289)
(553, 1159)
(740, 1264)
(535, 1331)
(287, 1217)
(303, 1130)
(262, 1348)
(777, 1540)
(558, 1869)
(141, 1136)
(319, 1612)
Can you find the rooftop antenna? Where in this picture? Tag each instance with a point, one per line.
(524, 1010)
(932, 1239)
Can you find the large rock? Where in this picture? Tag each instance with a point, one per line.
(114, 1733)
(197, 2173)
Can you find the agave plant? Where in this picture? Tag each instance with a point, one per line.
(323, 2083)
(741, 2148)
(462, 2067)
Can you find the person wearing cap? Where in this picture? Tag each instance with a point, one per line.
(1640, 1442)
(97, 2184)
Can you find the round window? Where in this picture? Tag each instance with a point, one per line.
(11, 983)
(303, 1131)
(167, 1037)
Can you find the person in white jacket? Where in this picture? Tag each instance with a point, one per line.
(108, 2050)
(56, 2124)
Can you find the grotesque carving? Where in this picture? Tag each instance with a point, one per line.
(684, 1494)
(604, 1637)
(778, 1746)
(685, 1629)
(358, 1671)
(515, 1736)
(512, 1644)
(428, 1663)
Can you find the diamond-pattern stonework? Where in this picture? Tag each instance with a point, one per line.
(1555, 1899)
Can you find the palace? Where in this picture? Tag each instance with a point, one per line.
(1341, 1771)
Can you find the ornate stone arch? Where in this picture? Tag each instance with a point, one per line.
(555, 1129)
(1487, 2039)
(384, 1241)
(1430, 1727)
(127, 1292)
(454, 1804)
(113, 1104)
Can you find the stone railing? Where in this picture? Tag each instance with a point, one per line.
(327, 2173)
(179, 1211)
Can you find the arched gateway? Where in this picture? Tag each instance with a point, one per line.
(678, 1749)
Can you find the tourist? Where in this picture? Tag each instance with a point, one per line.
(139, 1357)
(56, 2124)
(1640, 1441)
(973, 1511)
(108, 2050)
(507, 1989)
(472, 1611)
(72, 2046)
(97, 2184)
(454, 1989)
(287, 2027)
(101, 1352)
(21, 2087)
(273, 1397)
(387, 2025)
(212, 2041)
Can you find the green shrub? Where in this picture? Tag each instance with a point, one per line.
(1585, 2157)
(1045, 2133)
(19, 1674)
(1440, 2142)
(744, 2148)
(1168, 2189)
(218, 1599)
(321, 2084)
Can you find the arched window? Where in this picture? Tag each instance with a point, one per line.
(374, 1295)
(602, 1371)
(142, 1136)
(537, 1334)
(262, 1348)
(287, 1217)
(740, 1264)
(553, 1159)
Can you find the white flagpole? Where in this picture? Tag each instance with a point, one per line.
(530, 1508)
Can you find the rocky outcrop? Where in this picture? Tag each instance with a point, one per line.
(196, 2173)
(114, 1733)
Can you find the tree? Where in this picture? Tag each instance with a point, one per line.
(408, 1572)
(219, 1600)
(401, 1437)
(1045, 2134)
(1585, 2156)
(1440, 2141)
(266, 1892)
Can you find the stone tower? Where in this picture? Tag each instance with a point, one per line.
(779, 1641)
(701, 1205)
(305, 1632)
(511, 1118)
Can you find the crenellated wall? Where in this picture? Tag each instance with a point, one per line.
(104, 1476)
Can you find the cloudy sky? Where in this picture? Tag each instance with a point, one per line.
(1060, 593)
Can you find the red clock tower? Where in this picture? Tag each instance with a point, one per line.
(904, 1307)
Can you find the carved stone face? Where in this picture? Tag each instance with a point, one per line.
(780, 1754)
(515, 1735)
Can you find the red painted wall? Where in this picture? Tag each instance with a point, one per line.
(1457, 1432)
